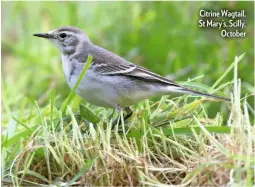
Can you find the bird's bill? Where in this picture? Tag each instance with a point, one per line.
(43, 35)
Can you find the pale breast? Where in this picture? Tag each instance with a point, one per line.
(92, 87)
(66, 66)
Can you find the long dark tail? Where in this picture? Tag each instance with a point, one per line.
(194, 92)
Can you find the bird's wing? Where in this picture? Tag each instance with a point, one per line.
(132, 70)
(112, 69)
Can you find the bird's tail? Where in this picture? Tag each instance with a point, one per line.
(194, 92)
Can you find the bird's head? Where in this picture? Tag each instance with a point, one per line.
(66, 38)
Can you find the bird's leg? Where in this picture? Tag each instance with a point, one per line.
(117, 120)
(128, 112)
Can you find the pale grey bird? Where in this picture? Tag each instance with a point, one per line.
(110, 81)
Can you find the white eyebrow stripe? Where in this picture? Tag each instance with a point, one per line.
(67, 32)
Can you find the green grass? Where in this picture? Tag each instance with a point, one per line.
(51, 136)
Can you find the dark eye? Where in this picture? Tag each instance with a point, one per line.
(62, 35)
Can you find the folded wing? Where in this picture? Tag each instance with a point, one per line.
(132, 71)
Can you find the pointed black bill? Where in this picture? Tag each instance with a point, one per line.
(42, 35)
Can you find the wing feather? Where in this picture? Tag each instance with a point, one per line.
(131, 70)
(111, 69)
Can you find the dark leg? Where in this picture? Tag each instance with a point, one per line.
(126, 116)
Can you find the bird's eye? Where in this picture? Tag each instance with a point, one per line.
(62, 35)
